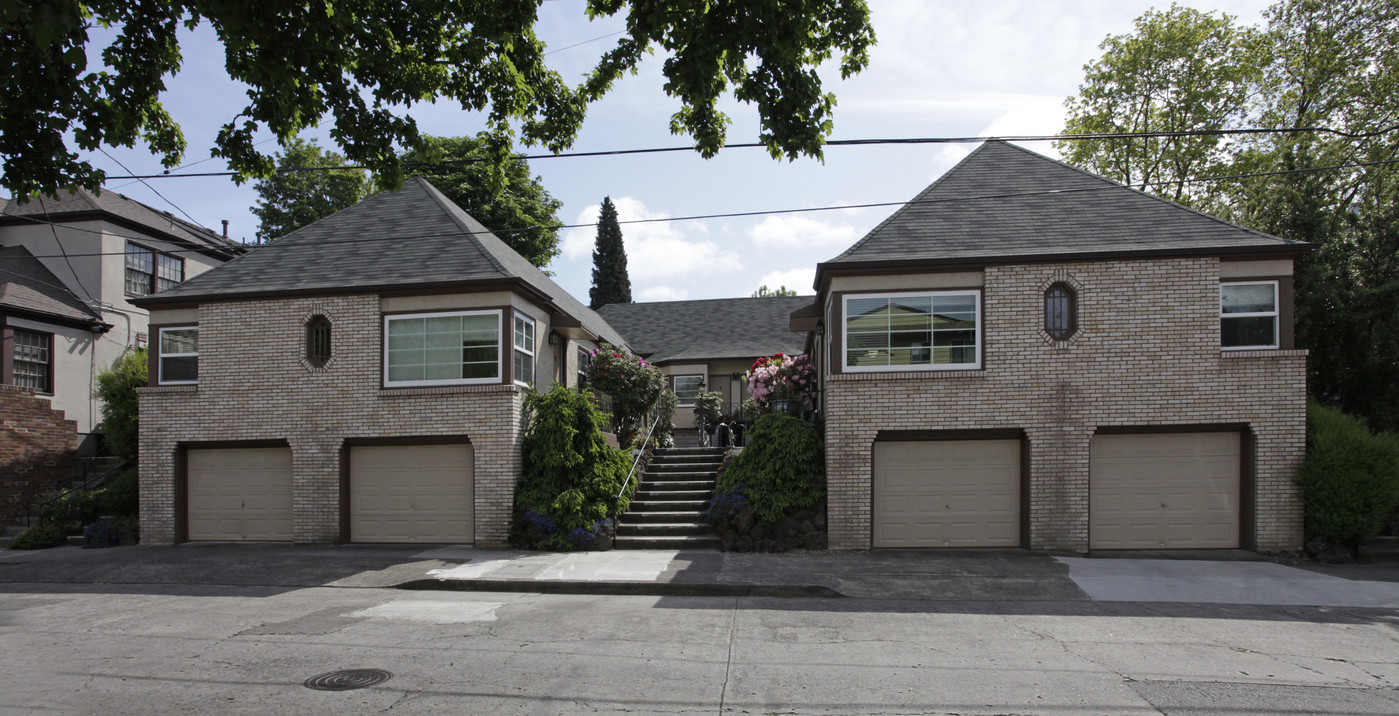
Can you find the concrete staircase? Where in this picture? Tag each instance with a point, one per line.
(1382, 549)
(671, 501)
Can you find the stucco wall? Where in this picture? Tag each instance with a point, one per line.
(1147, 354)
(254, 385)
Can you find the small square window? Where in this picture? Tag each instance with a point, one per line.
(1248, 315)
(687, 388)
(179, 356)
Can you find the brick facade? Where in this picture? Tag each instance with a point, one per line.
(38, 448)
(1147, 354)
(254, 385)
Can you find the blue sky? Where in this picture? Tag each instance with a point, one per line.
(941, 68)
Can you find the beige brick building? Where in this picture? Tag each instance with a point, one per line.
(1069, 365)
(322, 390)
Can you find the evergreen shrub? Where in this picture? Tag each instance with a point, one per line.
(783, 466)
(1349, 477)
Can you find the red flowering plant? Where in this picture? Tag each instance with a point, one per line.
(780, 377)
(633, 384)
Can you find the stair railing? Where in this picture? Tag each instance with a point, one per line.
(639, 453)
(80, 488)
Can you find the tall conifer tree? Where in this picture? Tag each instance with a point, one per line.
(610, 281)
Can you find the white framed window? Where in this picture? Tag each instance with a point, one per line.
(524, 350)
(179, 356)
(1248, 315)
(457, 348)
(687, 388)
(930, 330)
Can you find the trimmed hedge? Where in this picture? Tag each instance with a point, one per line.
(1349, 478)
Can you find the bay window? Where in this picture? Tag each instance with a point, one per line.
(459, 348)
(938, 330)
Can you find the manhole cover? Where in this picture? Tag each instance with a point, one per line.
(348, 679)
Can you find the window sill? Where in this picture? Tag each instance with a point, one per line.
(156, 389)
(974, 374)
(1264, 353)
(447, 390)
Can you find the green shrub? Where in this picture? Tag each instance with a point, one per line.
(569, 483)
(116, 387)
(38, 537)
(74, 508)
(666, 406)
(1349, 477)
(121, 496)
(783, 466)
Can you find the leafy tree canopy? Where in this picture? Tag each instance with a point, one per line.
(294, 197)
(359, 63)
(765, 292)
(494, 187)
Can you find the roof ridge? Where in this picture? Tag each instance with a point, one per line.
(911, 202)
(446, 205)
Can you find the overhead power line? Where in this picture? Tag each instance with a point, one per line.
(735, 214)
(834, 143)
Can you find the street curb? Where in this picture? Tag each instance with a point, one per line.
(654, 589)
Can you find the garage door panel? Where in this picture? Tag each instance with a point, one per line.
(1164, 490)
(412, 493)
(954, 493)
(239, 494)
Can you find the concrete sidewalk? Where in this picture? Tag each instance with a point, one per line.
(929, 575)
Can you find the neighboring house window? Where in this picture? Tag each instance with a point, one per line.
(148, 270)
(524, 350)
(318, 341)
(1060, 312)
(179, 356)
(33, 356)
(912, 331)
(585, 359)
(1248, 315)
(687, 388)
(442, 348)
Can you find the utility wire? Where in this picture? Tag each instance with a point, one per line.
(157, 192)
(1097, 136)
(585, 42)
(742, 214)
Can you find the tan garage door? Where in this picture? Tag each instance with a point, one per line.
(239, 494)
(1164, 491)
(411, 493)
(947, 493)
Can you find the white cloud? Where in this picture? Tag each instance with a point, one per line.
(654, 250)
(662, 293)
(793, 231)
(798, 279)
(1031, 116)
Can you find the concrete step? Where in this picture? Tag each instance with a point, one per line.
(686, 505)
(663, 516)
(677, 485)
(689, 451)
(663, 529)
(667, 478)
(655, 469)
(682, 542)
(673, 495)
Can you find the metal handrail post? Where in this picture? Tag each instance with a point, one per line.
(637, 461)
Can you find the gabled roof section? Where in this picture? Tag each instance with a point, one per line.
(414, 238)
(82, 204)
(711, 329)
(1003, 202)
(27, 286)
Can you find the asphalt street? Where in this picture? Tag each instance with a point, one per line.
(172, 636)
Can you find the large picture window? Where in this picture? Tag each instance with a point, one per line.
(1248, 315)
(912, 331)
(442, 348)
(524, 350)
(179, 356)
(33, 360)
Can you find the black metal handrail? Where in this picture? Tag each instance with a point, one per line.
(39, 508)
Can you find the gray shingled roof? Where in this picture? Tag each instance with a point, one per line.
(1004, 202)
(25, 284)
(712, 329)
(82, 202)
(393, 240)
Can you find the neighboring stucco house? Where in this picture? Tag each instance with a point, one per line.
(358, 380)
(69, 270)
(1030, 355)
(708, 344)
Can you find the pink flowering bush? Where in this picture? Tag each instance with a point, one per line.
(780, 377)
(633, 384)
